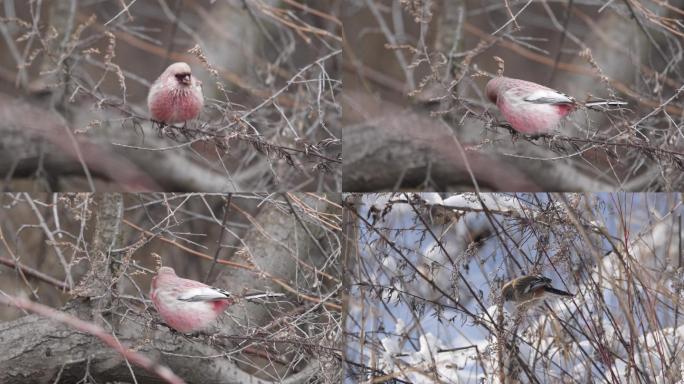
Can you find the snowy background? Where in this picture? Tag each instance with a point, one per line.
(428, 269)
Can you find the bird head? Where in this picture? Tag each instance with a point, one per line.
(163, 272)
(491, 89)
(183, 78)
(181, 72)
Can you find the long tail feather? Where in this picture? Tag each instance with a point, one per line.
(262, 295)
(610, 103)
(558, 291)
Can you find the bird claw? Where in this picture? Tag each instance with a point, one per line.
(155, 322)
(160, 126)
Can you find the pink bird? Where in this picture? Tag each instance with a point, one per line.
(176, 96)
(531, 108)
(189, 306)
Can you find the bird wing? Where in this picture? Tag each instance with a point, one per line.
(537, 282)
(548, 96)
(203, 294)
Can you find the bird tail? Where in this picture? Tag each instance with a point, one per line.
(558, 292)
(607, 103)
(261, 295)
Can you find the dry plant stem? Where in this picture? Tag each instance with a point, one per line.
(279, 281)
(390, 241)
(108, 211)
(34, 273)
(303, 225)
(312, 199)
(291, 81)
(48, 233)
(23, 270)
(92, 329)
(275, 233)
(372, 149)
(605, 152)
(276, 280)
(569, 67)
(226, 209)
(86, 61)
(90, 227)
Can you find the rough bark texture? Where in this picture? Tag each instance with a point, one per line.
(37, 349)
(108, 213)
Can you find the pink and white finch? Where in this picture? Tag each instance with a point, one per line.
(176, 96)
(190, 306)
(531, 108)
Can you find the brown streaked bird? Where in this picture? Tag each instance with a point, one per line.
(529, 288)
